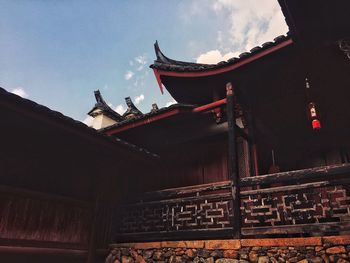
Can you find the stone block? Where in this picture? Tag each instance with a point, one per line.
(336, 250)
(337, 240)
(147, 245)
(230, 253)
(194, 244)
(226, 260)
(222, 244)
(173, 244)
(279, 242)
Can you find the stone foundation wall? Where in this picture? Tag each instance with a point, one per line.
(302, 250)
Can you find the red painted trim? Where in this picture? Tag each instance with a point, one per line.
(210, 106)
(164, 115)
(159, 81)
(143, 121)
(210, 72)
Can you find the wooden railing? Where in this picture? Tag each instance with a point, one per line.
(309, 202)
(199, 211)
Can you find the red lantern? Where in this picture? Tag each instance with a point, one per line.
(316, 124)
(313, 115)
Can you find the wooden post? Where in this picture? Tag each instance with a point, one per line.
(232, 160)
(253, 158)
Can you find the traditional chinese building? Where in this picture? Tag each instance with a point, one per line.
(251, 164)
(257, 146)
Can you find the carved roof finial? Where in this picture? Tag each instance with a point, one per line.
(154, 108)
(101, 107)
(132, 111)
(98, 97)
(160, 56)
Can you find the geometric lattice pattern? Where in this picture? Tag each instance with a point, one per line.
(213, 210)
(175, 216)
(306, 206)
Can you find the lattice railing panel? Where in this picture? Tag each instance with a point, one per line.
(308, 202)
(313, 206)
(191, 210)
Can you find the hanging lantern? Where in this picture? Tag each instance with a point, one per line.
(316, 124)
(312, 110)
(313, 115)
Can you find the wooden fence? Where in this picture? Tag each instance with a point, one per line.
(304, 202)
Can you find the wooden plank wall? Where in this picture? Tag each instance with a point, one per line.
(194, 164)
(27, 217)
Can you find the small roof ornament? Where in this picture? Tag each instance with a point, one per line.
(101, 107)
(154, 108)
(132, 111)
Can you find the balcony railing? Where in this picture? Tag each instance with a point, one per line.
(309, 202)
(199, 211)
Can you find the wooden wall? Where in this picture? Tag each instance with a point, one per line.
(58, 186)
(192, 163)
(43, 219)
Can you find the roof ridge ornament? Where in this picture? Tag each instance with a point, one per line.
(103, 108)
(132, 111)
(99, 98)
(163, 59)
(159, 54)
(155, 108)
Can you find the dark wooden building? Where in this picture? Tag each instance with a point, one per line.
(257, 145)
(58, 184)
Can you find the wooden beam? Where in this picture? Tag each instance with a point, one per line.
(311, 229)
(175, 235)
(291, 177)
(288, 188)
(43, 251)
(210, 106)
(175, 192)
(220, 196)
(232, 160)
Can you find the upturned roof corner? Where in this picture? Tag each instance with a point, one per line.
(101, 107)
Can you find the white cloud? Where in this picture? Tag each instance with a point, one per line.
(20, 92)
(88, 121)
(141, 61)
(251, 22)
(138, 99)
(128, 75)
(214, 56)
(170, 103)
(120, 109)
(188, 10)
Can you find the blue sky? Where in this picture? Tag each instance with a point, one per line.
(57, 52)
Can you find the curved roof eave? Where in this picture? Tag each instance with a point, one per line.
(169, 67)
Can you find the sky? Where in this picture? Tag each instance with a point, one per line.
(57, 52)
